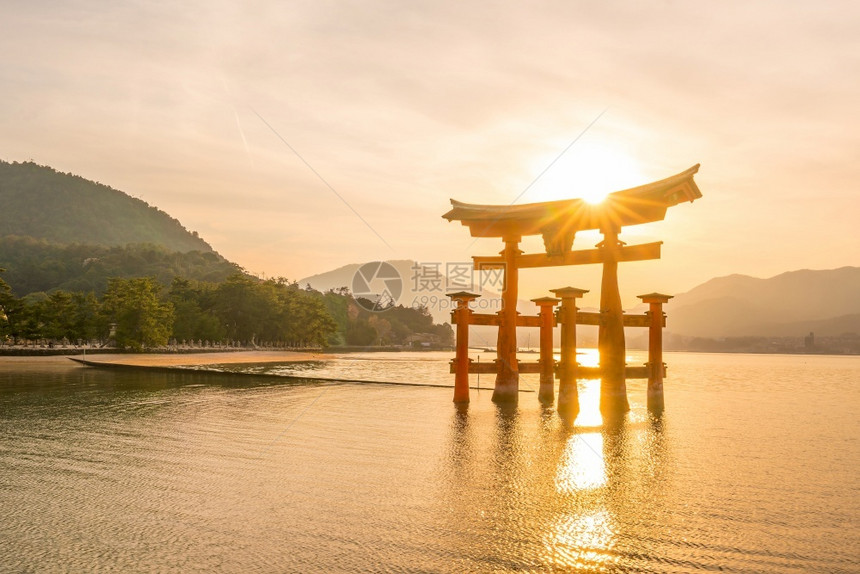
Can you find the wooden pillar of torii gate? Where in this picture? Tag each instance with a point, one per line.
(610, 333)
(558, 222)
(508, 372)
(546, 320)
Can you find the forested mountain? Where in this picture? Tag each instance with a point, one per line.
(34, 266)
(39, 202)
(80, 261)
(61, 231)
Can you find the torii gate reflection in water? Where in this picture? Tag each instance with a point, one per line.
(558, 222)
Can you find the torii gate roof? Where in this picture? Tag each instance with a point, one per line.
(642, 204)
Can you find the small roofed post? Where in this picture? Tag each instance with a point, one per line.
(546, 393)
(568, 394)
(656, 366)
(461, 316)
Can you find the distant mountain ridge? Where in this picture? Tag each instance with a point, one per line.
(37, 201)
(790, 304)
(416, 279)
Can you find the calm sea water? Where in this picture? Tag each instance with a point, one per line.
(753, 468)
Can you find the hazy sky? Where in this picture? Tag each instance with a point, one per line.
(402, 105)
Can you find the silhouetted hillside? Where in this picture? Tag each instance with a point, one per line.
(790, 304)
(39, 202)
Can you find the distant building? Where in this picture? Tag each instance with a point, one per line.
(423, 340)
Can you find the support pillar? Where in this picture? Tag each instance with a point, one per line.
(546, 393)
(568, 394)
(610, 340)
(656, 366)
(461, 316)
(507, 373)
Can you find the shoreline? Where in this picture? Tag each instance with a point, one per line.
(176, 364)
(206, 358)
(76, 351)
(166, 360)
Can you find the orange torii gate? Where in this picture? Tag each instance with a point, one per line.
(558, 222)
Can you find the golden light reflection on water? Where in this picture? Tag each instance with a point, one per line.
(589, 390)
(583, 542)
(589, 403)
(581, 466)
(588, 357)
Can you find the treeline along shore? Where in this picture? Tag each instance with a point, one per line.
(142, 314)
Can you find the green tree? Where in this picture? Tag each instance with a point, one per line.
(337, 304)
(445, 333)
(8, 306)
(193, 311)
(304, 317)
(56, 316)
(242, 306)
(141, 319)
(85, 316)
(360, 332)
(274, 310)
(53, 315)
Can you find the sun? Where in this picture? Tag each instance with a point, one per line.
(588, 170)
